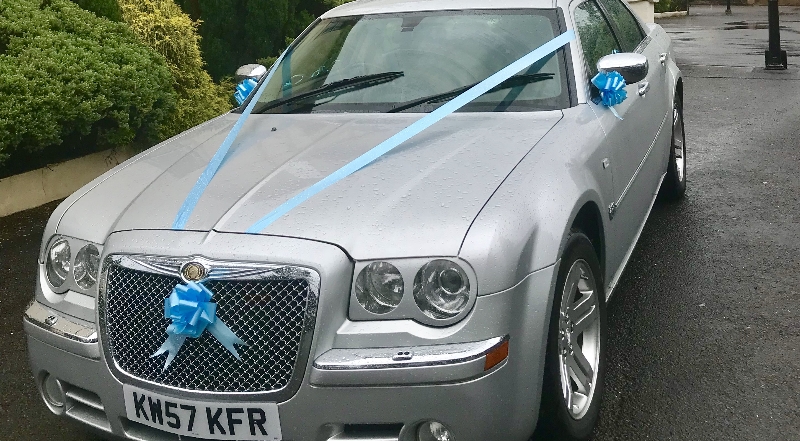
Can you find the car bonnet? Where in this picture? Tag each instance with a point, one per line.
(419, 199)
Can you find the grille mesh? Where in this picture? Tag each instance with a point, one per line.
(268, 315)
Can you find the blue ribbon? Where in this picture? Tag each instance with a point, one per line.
(211, 169)
(368, 157)
(612, 89)
(192, 312)
(416, 128)
(244, 89)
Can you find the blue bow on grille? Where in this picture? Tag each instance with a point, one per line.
(192, 312)
(612, 89)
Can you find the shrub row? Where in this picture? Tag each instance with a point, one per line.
(66, 74)
(670, 5)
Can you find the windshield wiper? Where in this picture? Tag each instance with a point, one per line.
(517, 80)
(334, 88)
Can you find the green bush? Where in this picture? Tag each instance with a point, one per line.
(102, 8)
(670, 5)
(67, 74)
(163, 26)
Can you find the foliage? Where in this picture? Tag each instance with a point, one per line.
(66, 74)
(237, 32)
(670, 5)
(102, 8)
(163, 26)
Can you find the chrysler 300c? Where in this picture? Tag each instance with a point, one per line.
(408, 231)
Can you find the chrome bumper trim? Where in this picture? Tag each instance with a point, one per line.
(58, 324)
(403, 365)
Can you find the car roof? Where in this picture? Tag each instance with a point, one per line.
(365, 7)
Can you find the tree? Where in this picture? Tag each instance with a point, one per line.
(237, 32)
(163, 26)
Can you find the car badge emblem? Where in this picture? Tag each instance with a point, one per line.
(193, 272)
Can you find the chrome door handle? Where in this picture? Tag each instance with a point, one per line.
(663, 58)
(644, 86)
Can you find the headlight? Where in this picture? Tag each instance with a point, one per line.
(87, 265)
(59, 257)
(441, 289)
(379, 287)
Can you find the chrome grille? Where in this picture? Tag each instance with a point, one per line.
(271, 314)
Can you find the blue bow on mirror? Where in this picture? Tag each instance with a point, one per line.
(612, 89)
(244, 89)
(192, 312)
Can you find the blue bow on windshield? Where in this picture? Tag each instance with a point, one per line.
(192, 312)
(612, 89)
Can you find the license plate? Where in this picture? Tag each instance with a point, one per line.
(203, 419)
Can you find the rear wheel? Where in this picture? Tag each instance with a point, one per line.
(674, 186)
(575, 363)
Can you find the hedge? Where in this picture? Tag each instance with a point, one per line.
(66, 74)
(670, 5)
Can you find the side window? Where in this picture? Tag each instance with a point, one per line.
(595, 34)
(628, 30)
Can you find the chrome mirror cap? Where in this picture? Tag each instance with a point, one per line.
(633, 67)
(252, 71)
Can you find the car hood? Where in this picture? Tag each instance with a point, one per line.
(417, 200)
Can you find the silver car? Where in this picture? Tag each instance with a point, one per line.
(381, 243)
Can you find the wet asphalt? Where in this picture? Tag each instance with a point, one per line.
(704, 328)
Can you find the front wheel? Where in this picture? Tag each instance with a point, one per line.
(674, 186)
(575, 360)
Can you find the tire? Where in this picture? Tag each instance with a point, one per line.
(674, 186)
(569, 335)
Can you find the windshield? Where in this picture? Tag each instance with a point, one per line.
(415, 62)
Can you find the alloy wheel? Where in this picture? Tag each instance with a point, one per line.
(579, 339)
(678, 142)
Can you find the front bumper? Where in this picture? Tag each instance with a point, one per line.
(359, 382)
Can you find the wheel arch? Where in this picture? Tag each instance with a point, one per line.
(525, 225)
(674, 82)
(589, 221)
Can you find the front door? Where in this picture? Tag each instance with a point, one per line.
(605, 27)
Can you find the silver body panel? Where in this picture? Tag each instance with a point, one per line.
(384, 202)
(496, 192)
(493, 315)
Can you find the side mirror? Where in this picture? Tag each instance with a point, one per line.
(633, 67)
(252, 71)
(247, 78)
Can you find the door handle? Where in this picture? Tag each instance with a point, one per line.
(644, 86)
(663, 58)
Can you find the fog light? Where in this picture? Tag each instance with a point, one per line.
(434, 431)
(52, 391)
